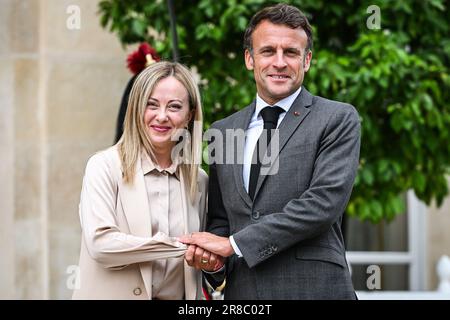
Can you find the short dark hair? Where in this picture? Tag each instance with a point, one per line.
(279, 14)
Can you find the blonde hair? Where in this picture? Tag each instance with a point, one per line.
(135, 138)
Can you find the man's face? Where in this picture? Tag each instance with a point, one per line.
(278, 62)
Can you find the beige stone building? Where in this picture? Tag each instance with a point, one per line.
(60, 89)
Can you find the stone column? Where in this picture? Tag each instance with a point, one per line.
(23, 237)
(6, 154)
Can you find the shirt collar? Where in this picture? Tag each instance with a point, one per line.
(284, 103)
(148, 166)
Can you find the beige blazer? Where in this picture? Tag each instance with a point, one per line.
(117, 245)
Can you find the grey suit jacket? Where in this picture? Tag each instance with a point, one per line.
(290, 235)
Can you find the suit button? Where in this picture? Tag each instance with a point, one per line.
(137, 291)
(255, 215)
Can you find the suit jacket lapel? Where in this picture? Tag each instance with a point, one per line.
(242, 123)
(295, 116)
(137, 211)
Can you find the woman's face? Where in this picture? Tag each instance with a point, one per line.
(167, 110)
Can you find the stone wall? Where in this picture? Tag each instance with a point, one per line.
(60, 91)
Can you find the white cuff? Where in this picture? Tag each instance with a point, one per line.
(235, 247)
(214, 272)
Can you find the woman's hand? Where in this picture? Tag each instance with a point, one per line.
(221, 246)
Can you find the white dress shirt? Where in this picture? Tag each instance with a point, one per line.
(252, 134)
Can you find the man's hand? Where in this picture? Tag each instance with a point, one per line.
(201, 259)
(221, 246)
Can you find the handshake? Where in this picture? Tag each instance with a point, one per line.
(206, 251)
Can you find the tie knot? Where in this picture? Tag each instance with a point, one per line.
(271, 114)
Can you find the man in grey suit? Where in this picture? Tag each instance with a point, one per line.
(281, 230)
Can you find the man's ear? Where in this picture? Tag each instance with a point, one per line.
(307, 63)
(248, 60)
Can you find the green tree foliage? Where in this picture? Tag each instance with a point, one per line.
(396, 76)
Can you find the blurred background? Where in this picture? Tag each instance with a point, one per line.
(63, 72)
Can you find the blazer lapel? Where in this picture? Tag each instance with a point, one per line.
(191, 224)
(295, 116)
(137, 211)
(242, 123)
(190, 210)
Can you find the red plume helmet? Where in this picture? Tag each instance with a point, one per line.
(144, 56)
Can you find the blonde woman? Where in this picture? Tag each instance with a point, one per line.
(140, 195)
